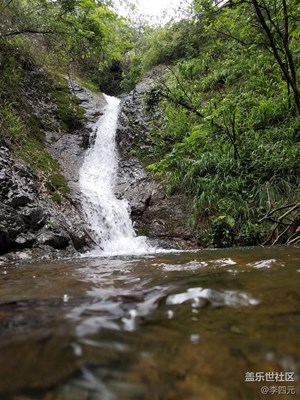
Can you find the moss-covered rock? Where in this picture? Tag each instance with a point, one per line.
(67, 106)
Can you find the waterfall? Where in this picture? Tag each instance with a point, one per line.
(107, 217)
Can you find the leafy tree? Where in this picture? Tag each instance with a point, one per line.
(162, 45)
(269, 24)
(83, 34)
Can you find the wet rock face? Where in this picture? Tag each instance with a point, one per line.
(133, 184)
(18, 206)
(32, 225)
(27, 217)
(133, 129)
(154, 213)
(69, 148)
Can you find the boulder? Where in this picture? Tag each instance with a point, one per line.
(57, 240)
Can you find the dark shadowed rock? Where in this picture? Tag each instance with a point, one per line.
(33, 216)
(5, 242)
(27, 214)
(58, 240)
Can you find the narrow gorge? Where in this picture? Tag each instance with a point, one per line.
(34, 225)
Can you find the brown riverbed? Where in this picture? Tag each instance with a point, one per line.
(178, 326)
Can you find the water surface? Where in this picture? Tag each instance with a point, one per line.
(178, 326)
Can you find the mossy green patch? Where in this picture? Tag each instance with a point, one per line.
(10, 70)
(68, 110)
(46, 167)
(57, 182)
(56, 197)
(11, 125)
(92, 86)
(22, 130)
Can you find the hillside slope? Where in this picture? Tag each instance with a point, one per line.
(37, 110)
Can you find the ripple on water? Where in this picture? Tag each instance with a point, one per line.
(265, 264)
(190, 266)
(114, 309)
(201, 297)
(193, 265)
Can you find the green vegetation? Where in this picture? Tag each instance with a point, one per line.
(21, 129)
(68, 112)
(228, 135)
(92, 86)
(40, 43)
(81, 37)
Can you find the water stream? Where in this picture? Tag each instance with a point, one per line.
(107, 216)
(180, 326)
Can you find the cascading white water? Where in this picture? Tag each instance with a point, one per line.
(108, 217)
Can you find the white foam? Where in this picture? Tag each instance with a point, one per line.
(107, 216)
(198, 296)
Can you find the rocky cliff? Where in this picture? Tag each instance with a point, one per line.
(29, 219)
(154, 213)
(40, 210)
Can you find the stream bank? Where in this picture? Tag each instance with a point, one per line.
(39, 213)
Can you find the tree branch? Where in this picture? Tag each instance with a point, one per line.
(29, 31)
(178, 101)
(269, 214)
(289, 78)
